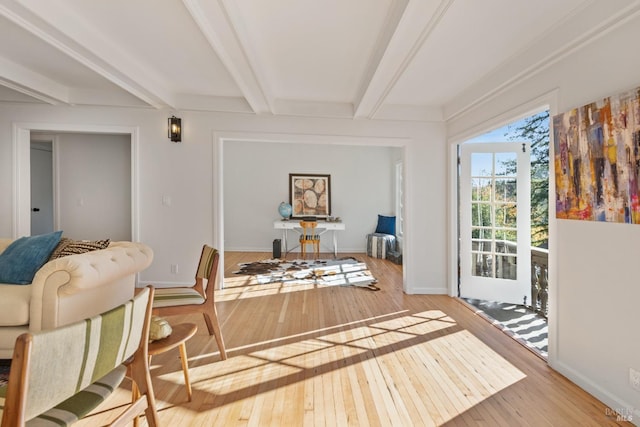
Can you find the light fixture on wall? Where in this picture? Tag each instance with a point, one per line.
(175, 129)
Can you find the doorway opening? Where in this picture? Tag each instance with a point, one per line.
(86, 188)
(503, 277)
(225, 143)
(81, 201)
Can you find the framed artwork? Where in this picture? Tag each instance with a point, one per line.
(310, 195)
(597, 160)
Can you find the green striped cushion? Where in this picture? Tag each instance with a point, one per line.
(79, 405)
(168, 297)
(206, 262)
(67, 360)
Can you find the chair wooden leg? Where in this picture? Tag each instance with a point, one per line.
(142, 378)
(185, 369)
(135, 395)
(214, 329)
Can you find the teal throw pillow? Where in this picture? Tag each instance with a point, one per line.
(22, 259)
(386, 225)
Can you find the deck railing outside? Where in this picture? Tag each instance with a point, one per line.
(539, 280)
(505, 268)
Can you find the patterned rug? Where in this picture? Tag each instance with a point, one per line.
(518, 321)
(4, 371)
(325, 272)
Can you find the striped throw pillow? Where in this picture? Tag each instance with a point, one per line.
(68, 247)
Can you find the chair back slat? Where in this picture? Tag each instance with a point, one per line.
(206, 262)
(309, 230)
(309, 236)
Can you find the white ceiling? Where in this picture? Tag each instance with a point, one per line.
(365, 59)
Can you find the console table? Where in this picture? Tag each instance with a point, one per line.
(322, 228)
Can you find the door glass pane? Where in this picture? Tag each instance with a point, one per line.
(482, 265)
(506, 215)
(481, 233)
(506, 190)
(481, 215)
(481, 189)
(507, 235)
(480, 245)
(506, 267)
(505, 164)
(506, 247)
(481, 164)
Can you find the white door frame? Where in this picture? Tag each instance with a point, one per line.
(550, 101)
(222, 138)
(22, 170)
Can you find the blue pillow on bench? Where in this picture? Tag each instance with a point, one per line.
(386, 225)
(22, 259)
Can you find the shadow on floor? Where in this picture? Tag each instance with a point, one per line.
(518, 321)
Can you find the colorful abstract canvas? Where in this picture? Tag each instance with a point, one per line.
(597, 160)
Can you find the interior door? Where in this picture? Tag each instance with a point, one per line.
(495, 222)
(41, 188)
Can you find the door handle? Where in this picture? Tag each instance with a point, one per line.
(36, 209)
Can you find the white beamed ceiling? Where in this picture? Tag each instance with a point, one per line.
(419, 60)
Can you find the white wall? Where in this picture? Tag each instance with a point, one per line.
(94, 186)
(186, 173)
(362, 186)
(594, 290)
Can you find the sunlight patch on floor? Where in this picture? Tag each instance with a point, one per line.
(451, 362)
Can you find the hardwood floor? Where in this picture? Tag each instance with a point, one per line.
(326, 356)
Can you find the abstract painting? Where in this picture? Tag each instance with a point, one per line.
(597, 160)
(310, 195)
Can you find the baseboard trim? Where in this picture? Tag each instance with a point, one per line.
(163, 284)
(426, 291)
(625, 409)
(297, 250)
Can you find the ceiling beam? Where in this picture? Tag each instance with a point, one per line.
(220, 23)
(406, 32)
(23, 80)
(60, 27)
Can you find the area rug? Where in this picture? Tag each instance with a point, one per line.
(5, 364)
(325, 272)
(522, 324)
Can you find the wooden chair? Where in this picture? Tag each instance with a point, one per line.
(198, 298)
(59, 375)
(309, 236)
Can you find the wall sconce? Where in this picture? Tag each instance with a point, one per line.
(175, 129)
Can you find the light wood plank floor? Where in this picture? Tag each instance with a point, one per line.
(311, 356)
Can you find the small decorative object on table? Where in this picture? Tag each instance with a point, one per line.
(159, 328)
(285, 210)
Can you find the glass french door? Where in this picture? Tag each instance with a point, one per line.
(495, 222)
